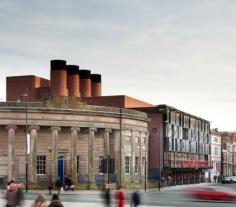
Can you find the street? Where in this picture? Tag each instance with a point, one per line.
(174, 196)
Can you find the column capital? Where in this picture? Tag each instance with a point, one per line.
(93, 129)
(55, 128)
(107, 130)
(11, 127)
(34, 127)
(74, 128)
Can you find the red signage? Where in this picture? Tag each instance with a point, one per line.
(194, 163)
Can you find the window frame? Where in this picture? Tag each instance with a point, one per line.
(127, 165)
(41, 164)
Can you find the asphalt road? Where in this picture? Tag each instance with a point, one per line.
(155, 198)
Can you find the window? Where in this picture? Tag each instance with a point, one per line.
(100, 170)
(78, 157)
(185, 133)
(41, 164)
(3, 165)
(144, 140)
(136, 162)
(216, 151)
(127, 165)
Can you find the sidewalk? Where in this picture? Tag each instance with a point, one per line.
(96, 192)
(179, 187)
(76, 204)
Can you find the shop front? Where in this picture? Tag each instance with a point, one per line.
(191, 172)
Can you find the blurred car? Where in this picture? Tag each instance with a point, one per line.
(217, 193)
(233, 179)
(227, 180)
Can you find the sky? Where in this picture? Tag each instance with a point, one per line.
(175, 52)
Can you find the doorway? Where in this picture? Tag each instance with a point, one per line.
(60, 168)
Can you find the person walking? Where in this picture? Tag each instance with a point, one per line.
(40, 201)
(58, 185)
(135, 199)
(20, 196)
(11, 195)
(106, 195)
(50, 186)
(55, 202)
(120, 197)
(215, 178)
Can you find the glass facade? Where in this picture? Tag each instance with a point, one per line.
(186, 147)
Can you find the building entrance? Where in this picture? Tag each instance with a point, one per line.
(60, 168)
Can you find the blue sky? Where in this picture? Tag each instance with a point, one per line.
(175, 52)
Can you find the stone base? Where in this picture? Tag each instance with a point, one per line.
(92, 186)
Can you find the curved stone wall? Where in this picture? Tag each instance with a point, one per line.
(74, 140)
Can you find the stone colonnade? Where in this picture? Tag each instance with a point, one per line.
(119, 152)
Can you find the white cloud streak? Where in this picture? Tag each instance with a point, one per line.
(181, 53)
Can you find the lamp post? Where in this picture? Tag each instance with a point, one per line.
(25, 95)
(222, 159)
(145, 161)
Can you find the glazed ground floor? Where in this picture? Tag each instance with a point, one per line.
(181, 176)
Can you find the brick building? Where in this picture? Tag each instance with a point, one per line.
(67, 136)
(179, 144)
(228, 153)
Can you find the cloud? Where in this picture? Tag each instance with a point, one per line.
(177, 52)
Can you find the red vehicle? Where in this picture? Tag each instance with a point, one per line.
(216, 193)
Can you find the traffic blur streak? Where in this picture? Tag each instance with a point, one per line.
(212, 193)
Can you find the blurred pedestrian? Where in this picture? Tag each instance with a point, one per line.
(120, 197)
(68, 184)
(20, 196)
(40, 201)
(50, 186)
(58, 185)
(215, 178)
(9, 183)
(169, 180)
(10, 197)
(135, 199)
(55, 202)
(106, 195)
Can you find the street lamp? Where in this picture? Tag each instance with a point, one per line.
(25, 95)
(145, 161)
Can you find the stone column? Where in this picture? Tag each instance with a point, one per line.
(11, 152)
(141, 157)
(106, 148)
(54, 152)
(146, 156)
(74, 137)
(132, 160)
(122, 159)
(91, 174)
(33, 153)
(117, 155)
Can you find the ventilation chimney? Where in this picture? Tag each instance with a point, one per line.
(73, 80)
(85, 83)
(58, 78)
(96, 84)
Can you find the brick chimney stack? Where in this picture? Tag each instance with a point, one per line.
(85, 83)
(96, 84)
(58, 78)
(73, 81)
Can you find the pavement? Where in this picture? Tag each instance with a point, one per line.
(96, 192)
(31, 194)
